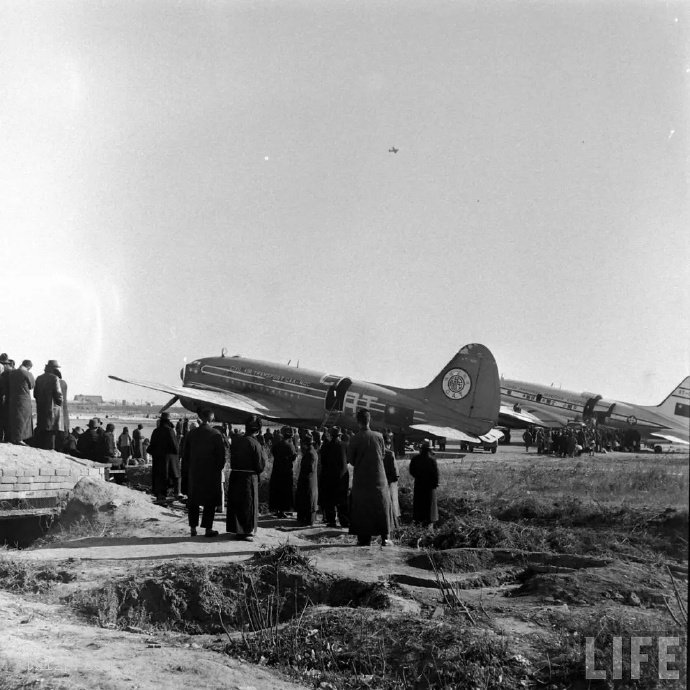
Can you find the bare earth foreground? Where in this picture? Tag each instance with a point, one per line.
(530, 556)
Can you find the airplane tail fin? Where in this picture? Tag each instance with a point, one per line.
(469, 385)
(677, 404)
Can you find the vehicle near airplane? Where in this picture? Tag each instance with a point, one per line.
(526, 404)
(461, 403)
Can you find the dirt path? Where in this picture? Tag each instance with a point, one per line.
(43, 644)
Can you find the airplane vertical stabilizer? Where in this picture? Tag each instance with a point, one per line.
(677, 404)
(469, 385)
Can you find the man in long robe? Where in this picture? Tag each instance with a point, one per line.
(424, 470)
(203, 460)
(306, 495)
(370, 509)
(48, 394)
(280, 486)
(164, 451)
(21, 382)
(137, 451)
(334, 480)
(247, 462)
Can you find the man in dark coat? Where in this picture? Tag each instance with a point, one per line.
(424, 469)
(164, 450)
(307, 494)
(370, 508)
(203, 460)
(48, 394)
(281, 484)
(334, 479)
(91, 444)
(21, 382)
(247, 462)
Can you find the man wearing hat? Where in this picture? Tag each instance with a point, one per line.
(334, 479)
(280, 486)
(203, 459)
(424, 469)
(247, 462)
(370, 507)
(165, 466)
(48, 394)
(21, 383)
(91, 444)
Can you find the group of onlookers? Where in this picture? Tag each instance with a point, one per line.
(574, 441)
(364, 500)
(16, 414)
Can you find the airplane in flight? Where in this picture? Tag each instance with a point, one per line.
(526, 404)
(392, 149)
(461, 403)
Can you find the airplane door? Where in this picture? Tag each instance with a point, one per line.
(335, 395)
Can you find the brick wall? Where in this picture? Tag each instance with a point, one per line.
(27, 473)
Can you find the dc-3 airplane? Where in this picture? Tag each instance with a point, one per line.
(461, 403)
(524, 404)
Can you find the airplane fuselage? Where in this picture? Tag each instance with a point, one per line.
(309, 398)
(553, 403)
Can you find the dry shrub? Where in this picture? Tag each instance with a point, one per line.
(27, 576)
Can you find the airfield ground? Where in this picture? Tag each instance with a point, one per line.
(531, 556)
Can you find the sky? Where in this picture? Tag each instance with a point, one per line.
(180, 177)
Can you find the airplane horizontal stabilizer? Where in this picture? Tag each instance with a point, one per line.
(491, 436)
(446, 432)
(224, 399)
(670, 437)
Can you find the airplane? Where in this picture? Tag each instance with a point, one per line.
(526, 404)
(461, 403)
(392, 149)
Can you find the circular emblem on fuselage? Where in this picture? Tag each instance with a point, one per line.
(456, 384)
(632, 420)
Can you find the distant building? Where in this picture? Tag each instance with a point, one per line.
(91, 399)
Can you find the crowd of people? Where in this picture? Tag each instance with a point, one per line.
(574, 441)
(363, 500)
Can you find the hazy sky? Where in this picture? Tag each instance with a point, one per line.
(181, 177)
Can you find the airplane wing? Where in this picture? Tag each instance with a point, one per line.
(447, 432)
(527, 416)
(226, 399)
(669, 437)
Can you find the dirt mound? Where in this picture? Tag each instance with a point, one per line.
(195, 598)
(97, 502)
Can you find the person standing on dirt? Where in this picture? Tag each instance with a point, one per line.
(137, 451)
(203, 460)
(280, 486)
(528, 439)
(21, 382)
(163, 450)
(48, 394)
(247, 462)
(124, 445)
(307, 493)
(369, 498)
(392, 476)
(334, 479)
(424, 470)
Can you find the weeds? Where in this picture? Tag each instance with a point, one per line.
(27, 576)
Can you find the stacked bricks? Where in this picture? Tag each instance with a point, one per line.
(27, 473)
